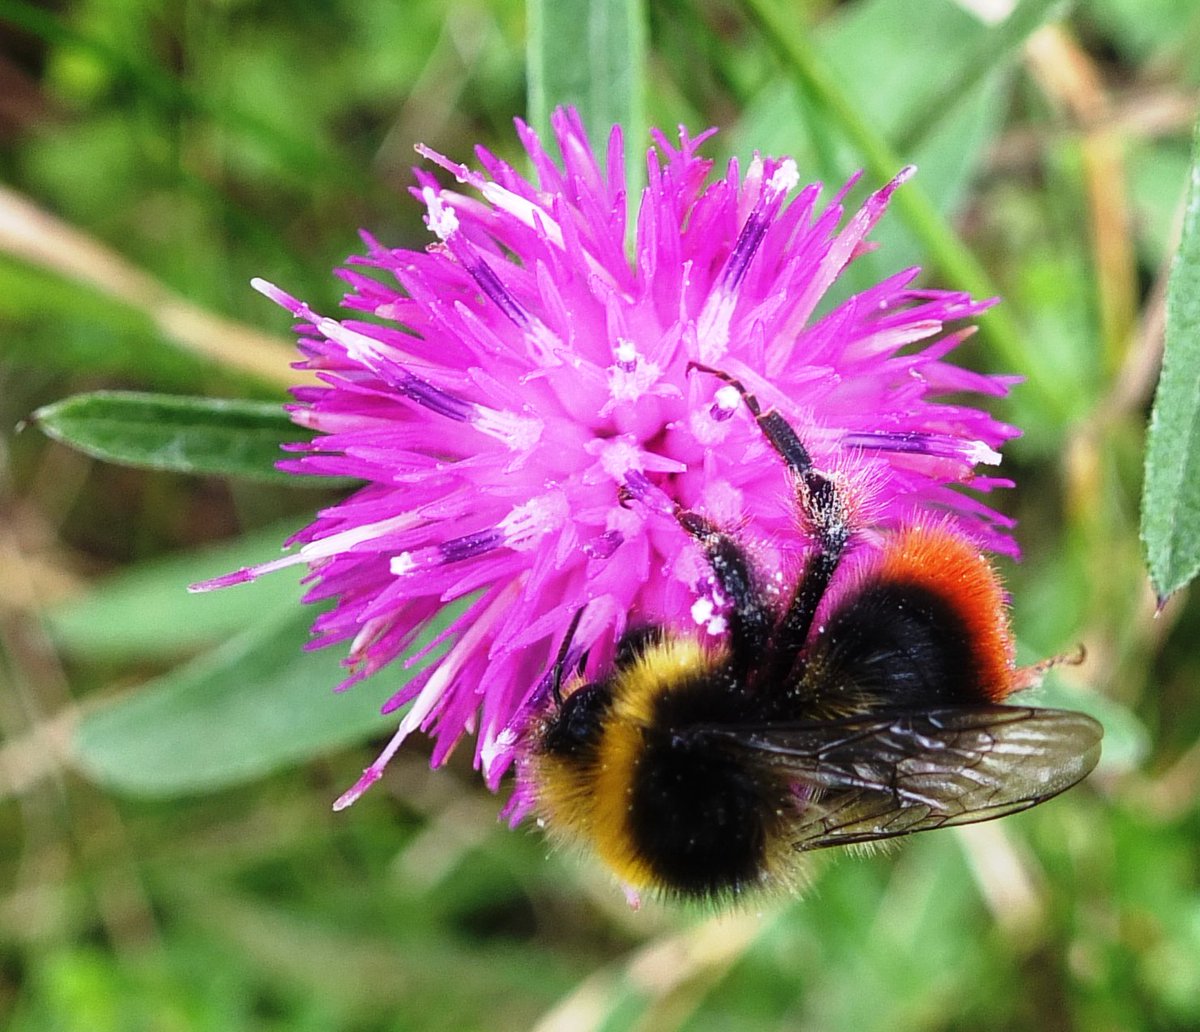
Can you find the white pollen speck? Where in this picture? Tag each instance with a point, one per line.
(442, 220)
(978, 452)
(625, 352)
(785, 177)
(702, 610)
(727, 398)
(717, 625)
(402, 564)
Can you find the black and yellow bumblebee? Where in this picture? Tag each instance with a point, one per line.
(703, 771)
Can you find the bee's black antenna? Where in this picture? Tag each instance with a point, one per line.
(560, 662)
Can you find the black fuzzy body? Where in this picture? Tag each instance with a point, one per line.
(700, 771)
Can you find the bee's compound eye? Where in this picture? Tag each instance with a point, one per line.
(578, 723)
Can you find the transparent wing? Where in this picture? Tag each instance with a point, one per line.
(898, 772)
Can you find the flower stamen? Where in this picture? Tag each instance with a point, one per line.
(712, 327)
(315, 551)
(941, 446)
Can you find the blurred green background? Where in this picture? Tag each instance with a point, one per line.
(168, 858)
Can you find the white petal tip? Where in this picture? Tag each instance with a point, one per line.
(351, 796)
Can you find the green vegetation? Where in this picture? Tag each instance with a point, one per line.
(168, 858)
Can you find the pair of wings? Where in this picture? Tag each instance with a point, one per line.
(864, 778)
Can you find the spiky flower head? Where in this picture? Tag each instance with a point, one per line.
(521, 401)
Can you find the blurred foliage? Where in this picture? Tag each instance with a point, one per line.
(171, 152)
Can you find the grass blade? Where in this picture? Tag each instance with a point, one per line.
(591, 55)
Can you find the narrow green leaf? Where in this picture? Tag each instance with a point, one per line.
(590, 54)
(255, 705)
(182, 434)
(1171, 493)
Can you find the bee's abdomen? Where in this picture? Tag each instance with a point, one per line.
(697, 820)
(629, 766)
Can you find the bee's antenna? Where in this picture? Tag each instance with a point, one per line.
(560, 662)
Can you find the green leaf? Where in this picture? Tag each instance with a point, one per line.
(590, 54)
(182, 434)
(147, 613)
(1171, 494)
(256, 704)
(997, 47)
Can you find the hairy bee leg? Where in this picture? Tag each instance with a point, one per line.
(560, 662)
(820, 503)
(749, 619)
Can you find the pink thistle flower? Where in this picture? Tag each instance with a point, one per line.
(526, 378)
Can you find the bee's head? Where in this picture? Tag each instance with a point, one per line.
(574, 726)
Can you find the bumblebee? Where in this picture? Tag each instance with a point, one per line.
(701, 771)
